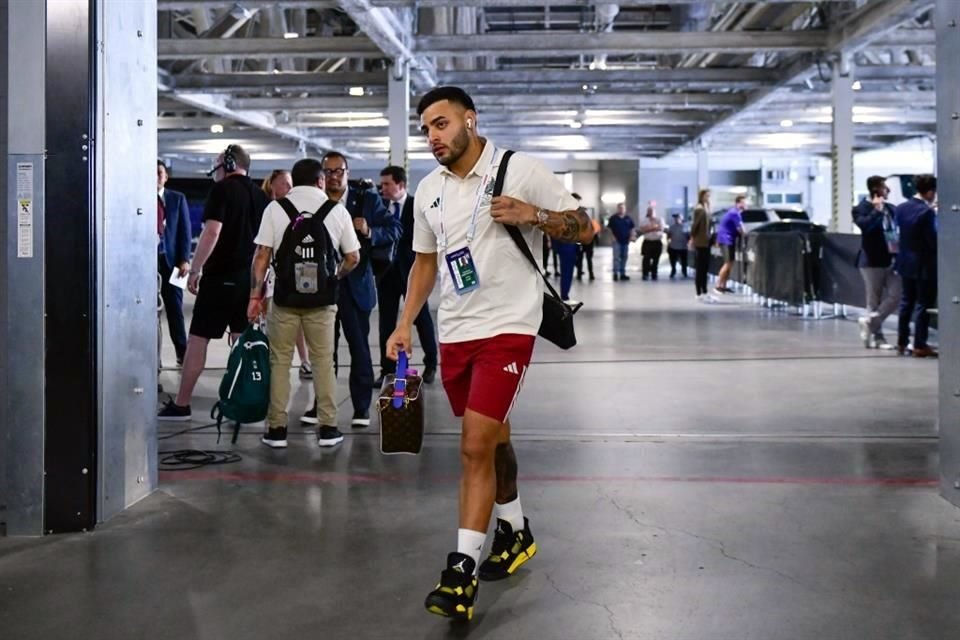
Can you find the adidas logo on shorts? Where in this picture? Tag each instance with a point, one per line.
(512, 368)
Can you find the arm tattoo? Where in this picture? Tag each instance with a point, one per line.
(569, 226)
(505, 462)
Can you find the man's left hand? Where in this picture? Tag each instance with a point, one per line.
(507, 210)
(183, 269)
(360, 224)
(193, 283)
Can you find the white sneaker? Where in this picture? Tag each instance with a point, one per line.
(864, 324)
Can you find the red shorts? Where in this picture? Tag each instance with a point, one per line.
(485, 375)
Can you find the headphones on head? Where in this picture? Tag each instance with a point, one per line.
(229, 160)
(229, 163)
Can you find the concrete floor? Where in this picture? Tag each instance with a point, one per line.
(690, 472)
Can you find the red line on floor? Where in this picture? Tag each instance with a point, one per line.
(325, 477)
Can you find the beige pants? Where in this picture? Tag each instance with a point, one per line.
(283, 326)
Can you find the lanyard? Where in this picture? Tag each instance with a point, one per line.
(478, 200)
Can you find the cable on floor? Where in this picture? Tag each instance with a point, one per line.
(190, 459)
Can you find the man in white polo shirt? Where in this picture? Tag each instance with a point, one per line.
(292, 310)
(490, 312)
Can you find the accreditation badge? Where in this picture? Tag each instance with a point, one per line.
(463, 271)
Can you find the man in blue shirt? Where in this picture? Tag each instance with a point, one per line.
(917, 264)
(729, 229)
(621, 225)
(878, 250)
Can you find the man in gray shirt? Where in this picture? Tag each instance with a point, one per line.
(678, 235)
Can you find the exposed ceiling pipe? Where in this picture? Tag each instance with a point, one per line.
(604, 15)
(727, 20)
(382, 26)
(746, 21)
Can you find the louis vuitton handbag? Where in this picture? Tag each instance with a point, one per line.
(400, 406)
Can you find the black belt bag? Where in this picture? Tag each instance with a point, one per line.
(557, 323)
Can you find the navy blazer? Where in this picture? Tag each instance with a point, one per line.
(405, 254)
(918, 240)
(176, 231)
(385, 229)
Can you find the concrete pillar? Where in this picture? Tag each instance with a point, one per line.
(703, 167)
(947, 22)
(842, 147)
(398, 112)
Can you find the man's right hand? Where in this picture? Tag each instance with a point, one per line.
(878, 202)
(254, 309)
(398, 341)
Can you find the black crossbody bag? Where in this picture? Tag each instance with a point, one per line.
(557, 324)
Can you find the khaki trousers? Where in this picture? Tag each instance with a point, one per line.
(283, 326)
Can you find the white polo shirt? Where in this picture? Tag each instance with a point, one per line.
(510, 296)
(338, 223)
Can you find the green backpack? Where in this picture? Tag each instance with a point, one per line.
(245, 388)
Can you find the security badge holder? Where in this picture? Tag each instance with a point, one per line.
(463, 271)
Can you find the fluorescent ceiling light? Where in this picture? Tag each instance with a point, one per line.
(290, 35)
(857, 86)
(613, 197)
(576, 124)
(786, 124)
(356, 92)
(365, 122)
(216, 128)
(782, 140)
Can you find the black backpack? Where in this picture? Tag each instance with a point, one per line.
(306, 261)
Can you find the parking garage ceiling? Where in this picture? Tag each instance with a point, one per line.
(603, 80)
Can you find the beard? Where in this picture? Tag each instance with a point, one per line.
(457, 147)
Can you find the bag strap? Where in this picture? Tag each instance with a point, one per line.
(514, 231)
(325, 209)
(291, 210)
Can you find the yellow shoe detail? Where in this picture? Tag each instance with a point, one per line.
(523, 557)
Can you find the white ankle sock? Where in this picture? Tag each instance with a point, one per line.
(470, 543)
(512, 513)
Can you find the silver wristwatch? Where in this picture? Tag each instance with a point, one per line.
(542, 217)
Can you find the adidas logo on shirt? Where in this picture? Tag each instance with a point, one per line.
(308, 239)
(512, 368)
(436, 203)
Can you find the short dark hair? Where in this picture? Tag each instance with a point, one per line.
(161, 163)
(740, 199)
(399, 174)
(240, 155)
(874, 183)
(439, 94)
(925, 183)
(335, 154)
(306, 172)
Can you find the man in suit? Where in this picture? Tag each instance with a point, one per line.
(392, 285)
(173, 251)
(377, 230)
(917, 264)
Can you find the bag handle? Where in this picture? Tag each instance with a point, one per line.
(514, 231)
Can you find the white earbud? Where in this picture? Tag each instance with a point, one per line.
(469, 124)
